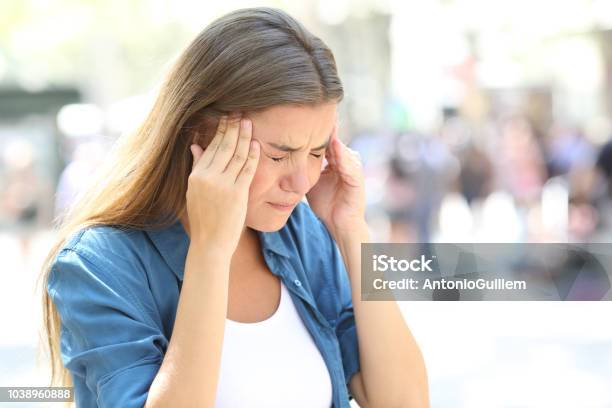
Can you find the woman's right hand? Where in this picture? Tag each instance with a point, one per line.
(218, 186)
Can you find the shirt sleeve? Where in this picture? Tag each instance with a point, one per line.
(108, 340)
(345, 324)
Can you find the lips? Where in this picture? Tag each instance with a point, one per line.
(282, 206)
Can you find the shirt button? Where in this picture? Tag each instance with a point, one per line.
(297, 283)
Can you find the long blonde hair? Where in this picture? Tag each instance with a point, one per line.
(247, 60)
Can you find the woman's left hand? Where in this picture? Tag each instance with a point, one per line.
(338, 198)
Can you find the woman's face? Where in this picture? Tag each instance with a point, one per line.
(293, 141)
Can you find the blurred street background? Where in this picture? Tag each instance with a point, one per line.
(476, 120)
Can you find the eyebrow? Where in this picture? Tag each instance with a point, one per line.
(286, 148)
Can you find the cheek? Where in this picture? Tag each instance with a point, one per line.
(314, 172)
(263, 179)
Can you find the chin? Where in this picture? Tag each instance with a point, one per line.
(267, 226)
(267, 222)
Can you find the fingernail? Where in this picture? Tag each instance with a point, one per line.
(246, 123)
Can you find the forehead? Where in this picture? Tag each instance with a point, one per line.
(294, 125)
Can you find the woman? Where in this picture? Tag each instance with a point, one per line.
(193, 275)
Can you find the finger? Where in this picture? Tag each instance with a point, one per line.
(329, 158)
(211, 149)
(196, 152)
(330, 155)
(329, 152)
(349, 164)
(250, 166)
(227, 145)
(242, 149)
(352, 152)
(337, 152)
(343, 156)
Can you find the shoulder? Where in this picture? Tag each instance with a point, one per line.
(105, 251)
(104, 260)
(106, 242)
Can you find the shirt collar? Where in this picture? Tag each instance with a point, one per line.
(172, 242)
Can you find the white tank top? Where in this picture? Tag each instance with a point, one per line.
(272, 363)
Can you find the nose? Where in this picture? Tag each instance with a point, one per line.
(296, 181)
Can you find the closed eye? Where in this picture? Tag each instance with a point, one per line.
(280, 159)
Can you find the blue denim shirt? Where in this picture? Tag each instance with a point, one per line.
(117, 292)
